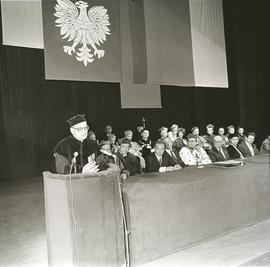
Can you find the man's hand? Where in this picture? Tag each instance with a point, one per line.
(123, 176)
(90, 168)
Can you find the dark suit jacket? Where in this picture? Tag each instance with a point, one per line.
(245, 150)
(215, 155)
(234, 154)
(153, 165)
(178, 159)
(129, 164)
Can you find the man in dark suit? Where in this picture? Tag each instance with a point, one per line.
(129, 164)
(218, 152)
(233, 151)
(248, 148)
(174, 153)
(160, 160)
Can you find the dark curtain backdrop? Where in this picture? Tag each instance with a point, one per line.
(33, 111)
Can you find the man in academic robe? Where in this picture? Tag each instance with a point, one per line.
(193, 154)
(233, 151)
(75, 152)
(160, 160)
(248, 148)
(218, 152)
(145, 143)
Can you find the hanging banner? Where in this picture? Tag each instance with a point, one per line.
(22, 23)
(179, 42)
(133, 95)
(82, 40)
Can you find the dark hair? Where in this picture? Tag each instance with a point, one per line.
(252, 134)
(124, 141)
(190, 136)
(159, 142)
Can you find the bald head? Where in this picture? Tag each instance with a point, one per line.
(218, 141)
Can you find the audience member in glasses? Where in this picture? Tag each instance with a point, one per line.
(193, 154)
(248, 148)
(76, 150)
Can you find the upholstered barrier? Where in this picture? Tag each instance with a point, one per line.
(167, 212)
(83, 219)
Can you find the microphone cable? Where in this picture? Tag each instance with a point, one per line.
(74, 217)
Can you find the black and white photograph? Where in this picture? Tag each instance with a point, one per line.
(135, 133)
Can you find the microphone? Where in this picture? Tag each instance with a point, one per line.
(73, 161)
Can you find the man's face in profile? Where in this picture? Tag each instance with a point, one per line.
(159, 149)
(250, 139)
(234, 140)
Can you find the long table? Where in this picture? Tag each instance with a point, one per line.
(167, 212)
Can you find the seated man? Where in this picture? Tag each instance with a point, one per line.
(160, 160)
(265, 146)
(233, 151)
(193, 154)
(174, 154)
(106, 156)
(221, 132)
(218, 152)
(248, 148)
(76, 150)
(129, 164)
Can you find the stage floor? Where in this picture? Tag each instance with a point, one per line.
(23, 237)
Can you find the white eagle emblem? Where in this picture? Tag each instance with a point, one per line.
(82, 27)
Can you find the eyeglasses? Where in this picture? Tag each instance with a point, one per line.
(81, 129)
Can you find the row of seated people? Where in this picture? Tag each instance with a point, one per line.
(166, 154)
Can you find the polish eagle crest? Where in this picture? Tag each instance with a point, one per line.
(85, 29)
